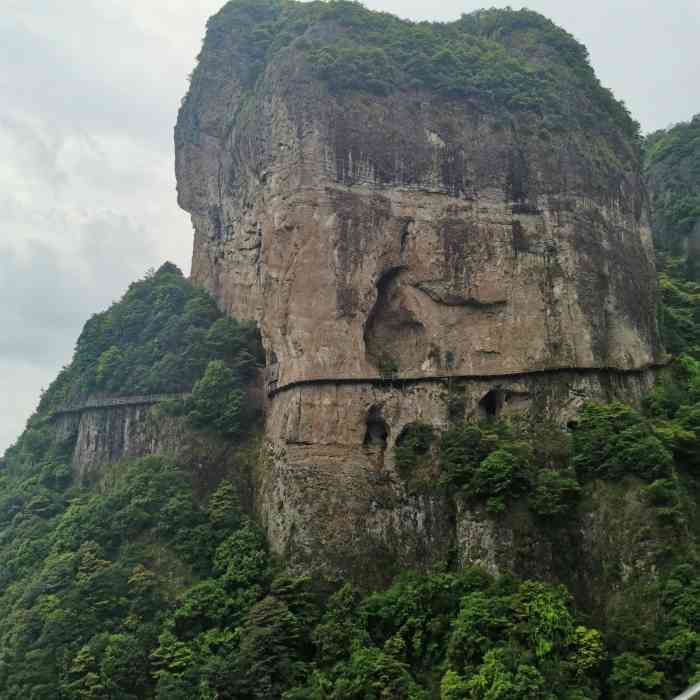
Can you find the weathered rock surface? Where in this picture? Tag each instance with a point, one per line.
(105, 436)
(413, 232)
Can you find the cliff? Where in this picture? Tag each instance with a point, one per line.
(442, 233)
(456, 207)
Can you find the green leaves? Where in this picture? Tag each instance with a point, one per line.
(554, 493)
(612, 440)
(497, 463)
(217, 402)
(413, 443)
(633, 678)
(241, 559)
(158, 339)
(519, 641)
(487, 55)
(672, 160)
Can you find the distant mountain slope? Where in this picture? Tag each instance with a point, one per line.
(672, 164)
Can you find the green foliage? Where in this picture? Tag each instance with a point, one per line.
(159, 339)
(218, 402)
(613, 440)
(90, 584)
(554, 492)
(633, 678)
(679, 315)
(672, 163)
(520, 641)
(498, 462)
(412, 445)
(507, 60)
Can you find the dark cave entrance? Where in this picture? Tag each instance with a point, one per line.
(491, 404)
(377, 432)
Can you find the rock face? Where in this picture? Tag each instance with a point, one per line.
(450, 246)
(106, 435)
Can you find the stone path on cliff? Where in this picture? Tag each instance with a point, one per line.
(117, 401)
(273, 387)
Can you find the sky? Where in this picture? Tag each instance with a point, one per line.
(89, 93)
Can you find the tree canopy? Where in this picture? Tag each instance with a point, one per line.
(505, 60)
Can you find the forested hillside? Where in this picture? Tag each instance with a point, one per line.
(672, 162)
(511, 60)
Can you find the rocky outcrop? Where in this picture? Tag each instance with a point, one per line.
(407, 234)
(103, 436)
(106, 435)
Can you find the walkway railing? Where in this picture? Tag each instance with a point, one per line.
(116, 401)
(273, 387)
(693, 692)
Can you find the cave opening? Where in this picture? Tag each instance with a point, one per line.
(392, 328)
(491, 404)
(377, 431)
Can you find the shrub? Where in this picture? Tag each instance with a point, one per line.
(613, 440)
(413, 444)
(634, 677)
(554, 493)
(461, 451)
(217, 401)
(496, 474)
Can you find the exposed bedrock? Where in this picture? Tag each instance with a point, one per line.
(414, 234)
(332, 223)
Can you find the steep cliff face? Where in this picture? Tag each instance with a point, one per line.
(392, 228)
(102, 437)
(105, 436)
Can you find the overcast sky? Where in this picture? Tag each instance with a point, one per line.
(89, 93)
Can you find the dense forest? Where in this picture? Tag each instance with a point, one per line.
(142, 586)
(150, 583)
(672, 163)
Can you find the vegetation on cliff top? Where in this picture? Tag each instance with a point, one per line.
(672, 163)
(163, 337)
(505, 60)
